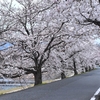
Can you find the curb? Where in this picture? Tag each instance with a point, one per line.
(96, 95)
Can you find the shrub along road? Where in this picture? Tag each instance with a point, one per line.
(80, 87)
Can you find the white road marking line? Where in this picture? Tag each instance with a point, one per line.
(96, 93)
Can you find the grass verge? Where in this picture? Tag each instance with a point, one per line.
(15, 89)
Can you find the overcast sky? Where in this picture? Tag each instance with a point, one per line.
(14, 1)
(97, 41)
(16, 4)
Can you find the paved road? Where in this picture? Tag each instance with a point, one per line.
(80, 87)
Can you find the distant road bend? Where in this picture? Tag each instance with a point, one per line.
(80, 87)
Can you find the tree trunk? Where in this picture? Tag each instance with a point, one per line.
(75, 72)
(86, 69)
(63, 75)
(74, 65)
(38, 77)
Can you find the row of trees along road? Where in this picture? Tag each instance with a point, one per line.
(48, 34)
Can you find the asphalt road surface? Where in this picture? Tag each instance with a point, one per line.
(80, 87)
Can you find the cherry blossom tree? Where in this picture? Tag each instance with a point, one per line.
(44, 34)
(40, 34)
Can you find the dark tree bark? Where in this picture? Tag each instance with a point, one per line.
(86, 69)
(75, 68)
(63, 75)
(89, 21)
(75, 72)
(38, 77)
(90, 68)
